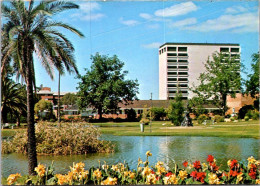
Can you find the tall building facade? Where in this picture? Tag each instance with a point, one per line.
(180, 64)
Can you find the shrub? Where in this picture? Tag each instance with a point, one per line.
(68, 139)
(242, 112)
(131, 115)
(253, 114)
(176, 110)
(218, 118)
(145, 121)
(232, 118)
(246, 118)
(158, 113)
(201, 118)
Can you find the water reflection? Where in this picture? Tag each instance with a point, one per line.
(129, 148)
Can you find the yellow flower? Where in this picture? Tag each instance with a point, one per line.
(83, 175)
(160, 170)
(257, 181)
(105, 167)
(70, 177)
(115, 168)
(257, 162)
(204, 166)
(172, 179)
(148, 153)
(139, 169)
(183, 174)
(126, 173)
(40, 170)
(61, 179)
(229, 163)
(213, 179)
(146, 171)
(132, 175)
(159, 163)
(109, 181)
(140, 161)
(97, 174)
(151, 179)
(12, 178)
(239, 178)
(251, 160)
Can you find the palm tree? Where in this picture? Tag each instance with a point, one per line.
(29, 29)
(13, 100)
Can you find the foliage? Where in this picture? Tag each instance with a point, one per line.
(246, 118)
(253, 114)
(69, 99)
(120, 174)
(158, 113)
(202, 118)
(243, 110)
(252, 84)
(145, 116)
(218, 118)
(131, 115)
(104, 85)
(70, 139)
(13, 100)
(221, 78)
(29, 29)
(43, 110)
(196, 105)
(232, 118)
(176, 110)
(256, 104)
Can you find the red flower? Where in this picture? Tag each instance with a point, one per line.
(252, 174)
(233, 173)
(169, 174)
(233, 164)
(197, 165)
(185, 163)
(210, 159)
(214, 166)
(152, 172)
(193, 174)
(201, 176)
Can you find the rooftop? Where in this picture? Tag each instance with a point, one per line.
(220, 44)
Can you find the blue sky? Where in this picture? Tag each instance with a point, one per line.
(134, 30)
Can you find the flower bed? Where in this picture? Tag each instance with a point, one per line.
(120, 174)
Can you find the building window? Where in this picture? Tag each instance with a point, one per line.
(160, 52)
(182, 49)
(171, 54)
(183, 85)
(183, 79)
(184, 91)
(224, 49)
(172, 79)
(182, 61)
(172, 91)
(183, 67)
(165, 49)
(171, 48)
(183, 73)
(171, 60)
(234, 49)
(180, 54)
(171, 85)
(172, 73)
(172, 67)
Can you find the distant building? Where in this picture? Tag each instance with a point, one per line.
(181, 64)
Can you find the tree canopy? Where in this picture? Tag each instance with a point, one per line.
(176, 109)
(252, 84)
(69, 99)
(104, 85)
(221, 78)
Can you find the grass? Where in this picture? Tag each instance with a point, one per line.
(241, 129)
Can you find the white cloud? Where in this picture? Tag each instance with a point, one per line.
(145, 16)
(128, 22)
(176, 10)
(153, 26)
(88, 12)
(246, 22)
(184, 22)
(236, 9)
(152, 45)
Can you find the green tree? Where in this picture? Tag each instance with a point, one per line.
(13, 100)
(29, 28)
(176, 110)
(158, 113)
(252, 84)
(69, 99)
(196, 106)
(131, 115)
(221, 78)
(44, 106)
(104, 86)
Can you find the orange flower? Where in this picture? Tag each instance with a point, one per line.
(40, 170)
(12, 178)
(109, 181)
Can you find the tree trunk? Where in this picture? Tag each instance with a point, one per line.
(18, 123)
(58, 111)
(224, 106)
(100, 113)
(4, 115)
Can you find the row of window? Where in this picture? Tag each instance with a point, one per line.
(175, 54)
(179, 61)
(179, 79)
(226, 49)
(175, 85)
(180, 49)
(179, 73)
(175, 67)
(175, 91)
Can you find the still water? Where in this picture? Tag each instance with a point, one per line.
(129, 148)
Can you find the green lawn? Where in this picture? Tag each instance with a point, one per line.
(242, 129)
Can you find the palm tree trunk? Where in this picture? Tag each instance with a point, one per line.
(58, 111)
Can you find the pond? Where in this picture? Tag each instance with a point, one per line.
(167, 149)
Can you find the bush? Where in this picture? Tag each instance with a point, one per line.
(242, 112)
(176, 110)
(201, 118)
(145, 121)
(218, 118)
(158, 113)
(246, 118)
(232, 118)
(131, 115)
(68, 139)
(253, 114)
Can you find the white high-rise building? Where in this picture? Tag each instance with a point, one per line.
(181, 64)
